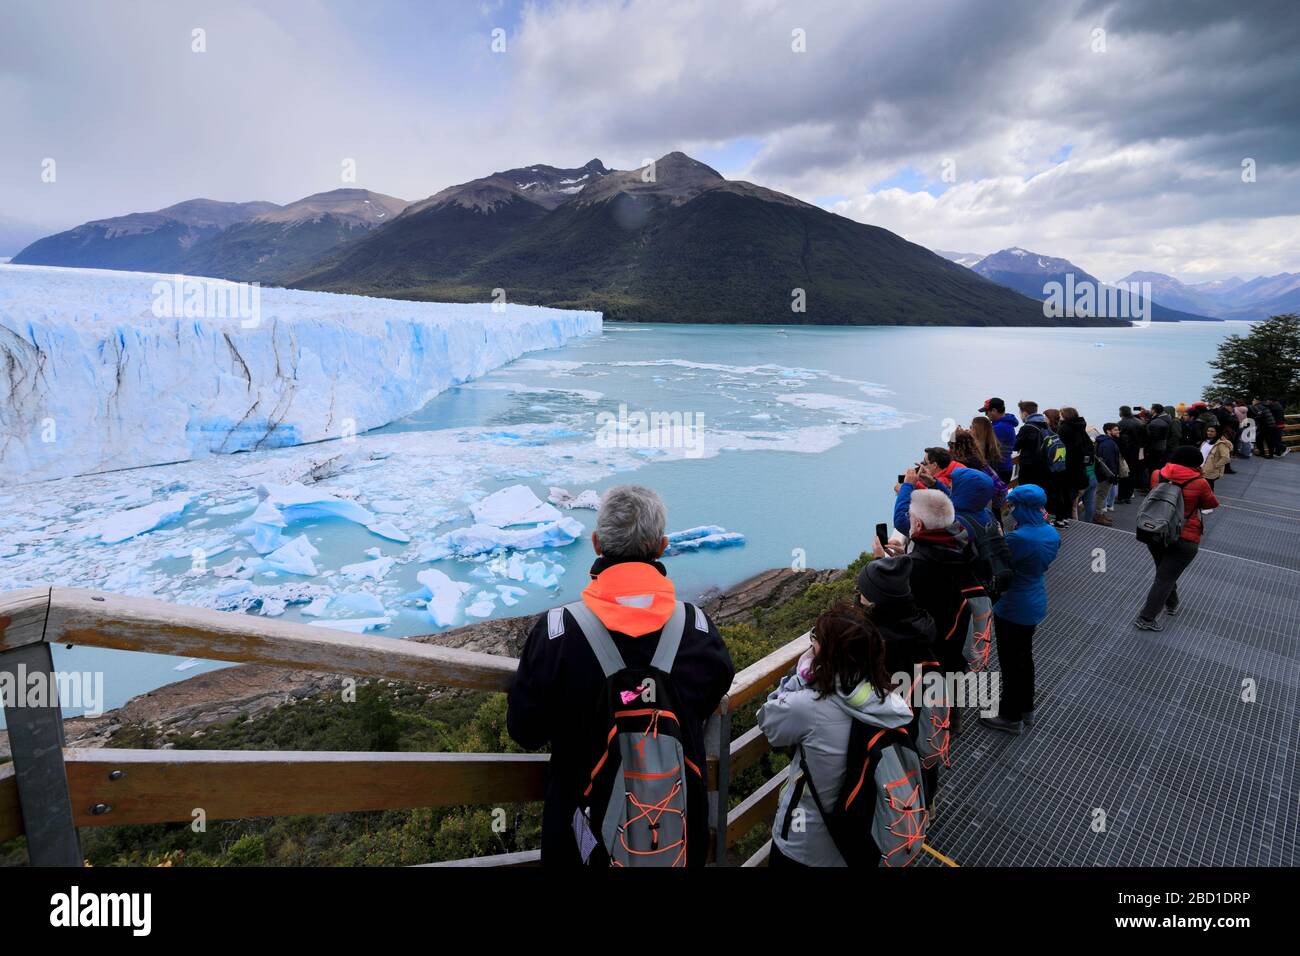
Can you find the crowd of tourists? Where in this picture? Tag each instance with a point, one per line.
(619, 684)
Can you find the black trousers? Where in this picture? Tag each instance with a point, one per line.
(1171, 561)
(1016, 655)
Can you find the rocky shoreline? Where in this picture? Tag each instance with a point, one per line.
(188, 707)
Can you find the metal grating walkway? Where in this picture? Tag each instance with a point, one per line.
(1150, 728)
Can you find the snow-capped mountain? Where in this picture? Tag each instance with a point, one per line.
(967, 259)
(1233, 298)
(1031, 273)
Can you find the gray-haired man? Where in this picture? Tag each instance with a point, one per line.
(559, 696)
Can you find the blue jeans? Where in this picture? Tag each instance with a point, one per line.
(1090, 500)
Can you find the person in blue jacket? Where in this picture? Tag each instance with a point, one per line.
(972, 495)
(1004, 427)
(972, 491)
(1019, 611)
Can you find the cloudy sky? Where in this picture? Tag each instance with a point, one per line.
(1113, 134)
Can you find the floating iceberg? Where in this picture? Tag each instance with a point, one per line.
(295, 557)
(485, 602)
(281, 505)
(442, 594)
(375, 569)
(482, 539)
(515, 505)
(510, 594)
(357, 602)
(137, 521)
(563, 499)
(131, 376)
(706, 536)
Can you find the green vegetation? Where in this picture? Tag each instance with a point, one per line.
(1264, 363)
(388, 716)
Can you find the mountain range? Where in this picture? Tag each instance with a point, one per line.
(671, 242)
(1233, 298)
(1029, 273)
(1172, 299)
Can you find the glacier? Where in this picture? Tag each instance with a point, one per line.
(108, 370)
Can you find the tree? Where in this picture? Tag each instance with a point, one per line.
(1265, 363)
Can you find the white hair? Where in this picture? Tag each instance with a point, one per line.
(932, 508)
(631, 522)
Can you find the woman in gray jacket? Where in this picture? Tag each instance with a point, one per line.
(840, 679)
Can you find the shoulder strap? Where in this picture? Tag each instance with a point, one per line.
(602, 645)
(670, 638)
(606, 651)
(812, 789)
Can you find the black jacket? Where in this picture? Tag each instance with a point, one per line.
(942, 567)
(908, 633)
(1079, 451)
(1158, 434)
(1132, 436)
(556, 699)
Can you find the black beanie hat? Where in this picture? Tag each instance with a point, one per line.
(1189, 456)
(883, 580)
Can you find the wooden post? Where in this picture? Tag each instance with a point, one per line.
(36, 739)
(722, 796)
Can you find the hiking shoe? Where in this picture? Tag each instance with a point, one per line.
(1143, 624)
(1027, 718)
(1006, 726)
(1103, 520)
(1171, 611)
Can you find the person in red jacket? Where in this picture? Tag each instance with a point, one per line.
(940, 464)
(1172, 560)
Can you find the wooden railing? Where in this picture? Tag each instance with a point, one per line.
(49, 789)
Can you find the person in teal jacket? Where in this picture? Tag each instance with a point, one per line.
(1019, 611)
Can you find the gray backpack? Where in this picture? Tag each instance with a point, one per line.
(633, 811)
(1163, 513)
(880, 816)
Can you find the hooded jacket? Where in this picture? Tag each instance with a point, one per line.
(972, 492)
(795, 715)
(556, 698)
(1197, 494)
(1034, 545)
(1004, 429)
